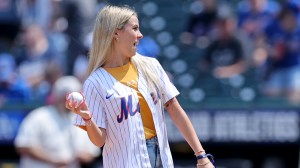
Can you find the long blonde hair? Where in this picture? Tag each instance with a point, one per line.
(109, 19)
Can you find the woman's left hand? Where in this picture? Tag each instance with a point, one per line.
(205, 163)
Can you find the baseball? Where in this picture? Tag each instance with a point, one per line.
(75, 99)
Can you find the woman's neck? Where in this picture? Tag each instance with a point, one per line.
(116, 60)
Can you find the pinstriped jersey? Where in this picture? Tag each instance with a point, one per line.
(128, 75)
(115, 107)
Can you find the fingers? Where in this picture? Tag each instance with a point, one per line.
(71, 106)
(76, 110)
(83, 106)
(68, 102)
(68, 105)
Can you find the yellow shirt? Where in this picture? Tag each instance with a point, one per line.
(128, 75)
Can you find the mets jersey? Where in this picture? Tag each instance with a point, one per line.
(128, 75)
(115, 107)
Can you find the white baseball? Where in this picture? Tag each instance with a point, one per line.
(75, 99)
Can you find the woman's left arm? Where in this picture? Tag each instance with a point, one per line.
(183, 123)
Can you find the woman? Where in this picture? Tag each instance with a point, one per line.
(125, 94)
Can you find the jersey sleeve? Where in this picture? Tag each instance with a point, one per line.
(168, 90)
(94, 102)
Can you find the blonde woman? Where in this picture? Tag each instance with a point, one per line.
(125, 95)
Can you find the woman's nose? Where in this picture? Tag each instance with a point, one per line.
(140, 35)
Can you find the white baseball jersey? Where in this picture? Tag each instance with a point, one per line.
(52, 131)
(115, 107)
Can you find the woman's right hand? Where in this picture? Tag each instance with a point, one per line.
(82, 110)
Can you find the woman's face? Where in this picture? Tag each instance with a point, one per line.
(128, 37)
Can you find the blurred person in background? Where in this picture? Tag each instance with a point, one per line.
(12, 88)
(36, 12)
(282, 67)
(48, 139)
(293, 5)
(255, 15)
(33, 57)
(201, 23)
(224, 55)
(35, 45)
